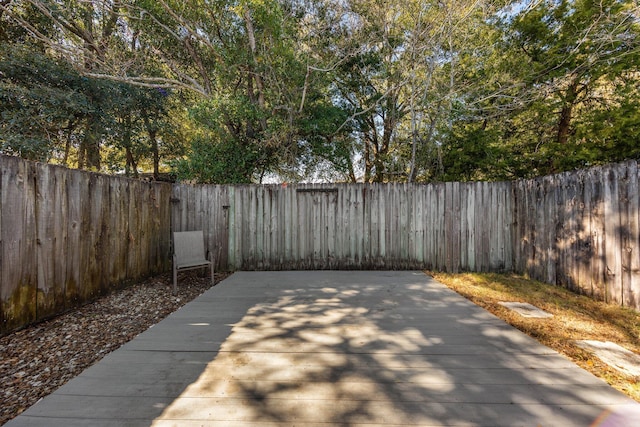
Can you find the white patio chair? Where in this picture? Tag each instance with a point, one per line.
(189, 254)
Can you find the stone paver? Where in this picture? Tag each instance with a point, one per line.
(614, 355)
(525, 309)
(322, 348)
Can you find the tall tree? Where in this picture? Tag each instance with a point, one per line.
(573, 62)
(64, 55)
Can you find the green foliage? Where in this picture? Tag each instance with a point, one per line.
(561, 78)
(362, 90)
(48, 108)
(228, 149)
(219, 163)
(39, 97)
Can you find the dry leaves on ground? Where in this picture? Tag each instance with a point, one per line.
(38, 359)
(575, 317)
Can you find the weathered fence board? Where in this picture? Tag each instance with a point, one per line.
(631, 248)
(18, 281)
(67, 236)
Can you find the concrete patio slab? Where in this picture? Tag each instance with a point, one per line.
(322, 348)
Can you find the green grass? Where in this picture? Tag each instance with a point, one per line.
(575, 317)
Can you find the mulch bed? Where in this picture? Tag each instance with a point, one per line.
(35, 361)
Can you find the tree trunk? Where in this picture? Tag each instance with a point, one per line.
(3, 32)
(367, 158)
(153, 141)
(132, 165)
(156, 155)
(564, 123)
(67, 143)
(89, 154)
(130, 161)
(390, 119)
(253, 75)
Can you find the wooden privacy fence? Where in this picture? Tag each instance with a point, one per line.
(448, 226)
(576, 229)
(581, 230)
(67, 236)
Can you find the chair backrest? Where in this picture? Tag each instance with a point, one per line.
(188, 246)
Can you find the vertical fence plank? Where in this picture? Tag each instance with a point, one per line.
(261, 227)
(359, 216)
(470, 226)
(623, 227)
(222, 238)
(350, 226)
(584, 252)
(382, 193)
(437, 225)
(523, 198)
(490, 208)
(511, 224)
(374, 224)
(507, 227)
(430, 237)
(598, 274)
(538, 237)
(448, 227)
(518, 233)
(85, 198)
(293, 224)
(555, 233)
(47, 295)
(132, 227)
(497, 220)
(630, 235)
(145, 230)
(235, 234)
(404, 204)
(97, 255)
(493, 221)
(153, 231)
(612, 239)
(247, 251)
(481, 228)
(464, 226)
(74, 215)
(572, 229)
(631, 296)
(418, 224)
(304, 199)
(315, 228)
(19, 284)
(287, 226)
(60, 226)
(277, 230)
(271, 227)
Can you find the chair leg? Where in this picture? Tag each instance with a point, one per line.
(212, 267)
(175, 280)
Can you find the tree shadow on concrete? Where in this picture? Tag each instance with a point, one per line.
(381, 348)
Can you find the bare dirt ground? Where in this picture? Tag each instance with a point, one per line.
(37, 360)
